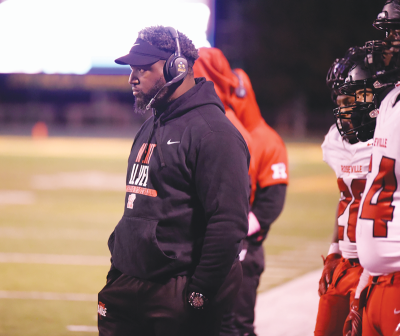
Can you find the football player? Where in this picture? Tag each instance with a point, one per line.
(378, 228)
(347, 149)
(389, 21)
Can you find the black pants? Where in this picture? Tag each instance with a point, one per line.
(239, 319)
(135, 307)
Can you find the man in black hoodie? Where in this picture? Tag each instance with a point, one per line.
(174, 253)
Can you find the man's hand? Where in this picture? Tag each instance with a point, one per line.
(330, 263)
(353, 323)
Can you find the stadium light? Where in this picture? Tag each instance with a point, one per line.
(72, 36)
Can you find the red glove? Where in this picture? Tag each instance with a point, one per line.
(330, 263)
(353, 323)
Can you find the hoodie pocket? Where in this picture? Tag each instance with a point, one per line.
(136, 251)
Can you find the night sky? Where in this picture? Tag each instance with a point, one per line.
(287, 47)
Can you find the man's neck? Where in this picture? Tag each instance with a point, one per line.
(187, 84)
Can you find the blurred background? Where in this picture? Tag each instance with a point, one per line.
(67, 124)
(56, 62)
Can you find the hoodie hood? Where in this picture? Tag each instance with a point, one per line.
(213, 65)
(202, 93)
(246, 107)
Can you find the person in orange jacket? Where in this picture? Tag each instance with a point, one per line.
(269, 178)
(215, 67)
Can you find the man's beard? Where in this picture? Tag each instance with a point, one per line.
(143, 99)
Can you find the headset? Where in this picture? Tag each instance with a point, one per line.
(175, 68)
(240, 91)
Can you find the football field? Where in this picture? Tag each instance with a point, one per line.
(60, 198)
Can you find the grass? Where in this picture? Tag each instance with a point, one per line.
(76, 218)
(45, 318)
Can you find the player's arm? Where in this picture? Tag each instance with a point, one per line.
(267, 206)
(332, 260)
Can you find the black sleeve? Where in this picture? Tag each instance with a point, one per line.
(267, 206)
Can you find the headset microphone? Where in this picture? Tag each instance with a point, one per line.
(176, 79)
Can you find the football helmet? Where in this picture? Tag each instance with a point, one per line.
(389, 18)
(338, 71)
(367, 77)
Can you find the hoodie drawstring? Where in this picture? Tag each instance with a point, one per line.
(147, 144)
(160, 154)
(158, 138)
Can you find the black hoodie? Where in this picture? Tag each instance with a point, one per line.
(187, 196)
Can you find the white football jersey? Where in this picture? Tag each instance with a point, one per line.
(350, 164)
(378, 228)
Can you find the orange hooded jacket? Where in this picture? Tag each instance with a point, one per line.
(268, 165)
(269, 150)
(213, 65)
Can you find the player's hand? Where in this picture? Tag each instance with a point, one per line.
(352, 325)
(330, 263)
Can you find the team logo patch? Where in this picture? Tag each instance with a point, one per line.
(279, 170)
(140, 174)
(181, 67)
(131, 199)
(101, 309)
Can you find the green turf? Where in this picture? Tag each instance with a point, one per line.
(52, 278)
(55, 245)
(45, 318)
(79, 221)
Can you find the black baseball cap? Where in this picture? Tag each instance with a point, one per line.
(143, 53)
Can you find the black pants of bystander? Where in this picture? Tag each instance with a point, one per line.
(238, 320)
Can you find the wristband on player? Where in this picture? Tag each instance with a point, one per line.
(362, 283)
(254, 225)
(334, 248)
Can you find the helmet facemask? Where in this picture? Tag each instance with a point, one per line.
(356, 121)
(389, 18)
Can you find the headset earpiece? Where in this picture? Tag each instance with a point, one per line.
(176, 66)
(240, 91)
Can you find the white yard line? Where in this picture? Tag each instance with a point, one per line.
(55, 259)
(82, 328)
(48, 296)
(8, 197)
(90, 180)
(45, 233)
